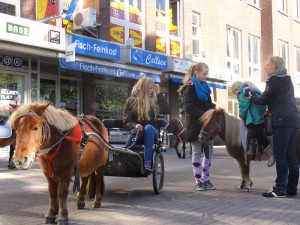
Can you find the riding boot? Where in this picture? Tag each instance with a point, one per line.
(269, 152)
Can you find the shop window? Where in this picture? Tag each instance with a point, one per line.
(49, 68)
(234, 52)
(34, 88)
(70, 92)
(110, 101)
(254, 57)
(12, 91)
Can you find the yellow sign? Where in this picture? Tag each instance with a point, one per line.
(137, 37)
(117, 33)
(160, 44)
(175, 48)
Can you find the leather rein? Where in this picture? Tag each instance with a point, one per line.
(208, 134)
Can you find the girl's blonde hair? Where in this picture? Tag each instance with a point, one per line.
(200, 66)
(142, 101)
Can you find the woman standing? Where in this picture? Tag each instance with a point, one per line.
(279, 97)
(197, 101)
(140, 111)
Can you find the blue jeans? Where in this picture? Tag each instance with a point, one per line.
(150, 134)
(284, 152)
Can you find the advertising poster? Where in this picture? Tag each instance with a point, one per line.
(117, 8)
(160, 15)
(173, 23)
(160, 44)
(117, 33)
(47, 9)
(135, 12)
(175, 48)
(137, 37)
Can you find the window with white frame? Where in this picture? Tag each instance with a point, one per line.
(283, 51)
(10, 7)
(282, 6)
(254, 57)
(253, 2)
(297, 10)
(234, 52)
(196, 29)
(297, 69)
(174, 15)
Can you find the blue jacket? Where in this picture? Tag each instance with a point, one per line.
(280, 99)
(250, 112)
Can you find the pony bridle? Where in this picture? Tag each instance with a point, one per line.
(209, 134)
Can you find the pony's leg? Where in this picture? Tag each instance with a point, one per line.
(100, 187)
(244, 165)
(183, 150)
(63, 191)
(176, 147)
(82, 193)
(50, 217)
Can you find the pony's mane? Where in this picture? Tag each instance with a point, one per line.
(232, 127)
(59, 118)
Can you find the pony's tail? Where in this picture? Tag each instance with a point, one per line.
(91, 186)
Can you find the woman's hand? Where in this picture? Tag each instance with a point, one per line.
(139, 127)
(157, 89)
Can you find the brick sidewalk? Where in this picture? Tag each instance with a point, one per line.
(24, 197)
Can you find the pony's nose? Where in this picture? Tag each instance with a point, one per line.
(23, 161)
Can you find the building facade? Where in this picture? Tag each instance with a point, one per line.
(233, 37)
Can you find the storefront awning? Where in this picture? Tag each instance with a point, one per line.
(107, 70)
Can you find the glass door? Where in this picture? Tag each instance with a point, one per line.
(48, 91)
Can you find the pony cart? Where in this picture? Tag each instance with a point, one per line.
(129, 162)
(66, 145)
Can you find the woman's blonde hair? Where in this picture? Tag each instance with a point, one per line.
(278, 63)
(142, 101)
(200, 66)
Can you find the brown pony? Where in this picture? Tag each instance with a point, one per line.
(218, 122)
(57, 138)
(177, 127)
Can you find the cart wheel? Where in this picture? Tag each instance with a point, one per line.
(158, 172)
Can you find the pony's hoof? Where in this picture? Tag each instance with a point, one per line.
(81, 205)
(179, 155)
(246, 189)
(50, 220)
(63, 222)
(97, 205)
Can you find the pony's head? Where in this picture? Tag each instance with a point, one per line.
(211, 124)
(31, 123)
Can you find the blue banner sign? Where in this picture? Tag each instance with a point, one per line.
(145, 58)
(107, 70)
(92, 47)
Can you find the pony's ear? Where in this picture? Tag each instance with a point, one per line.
(40, 109)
